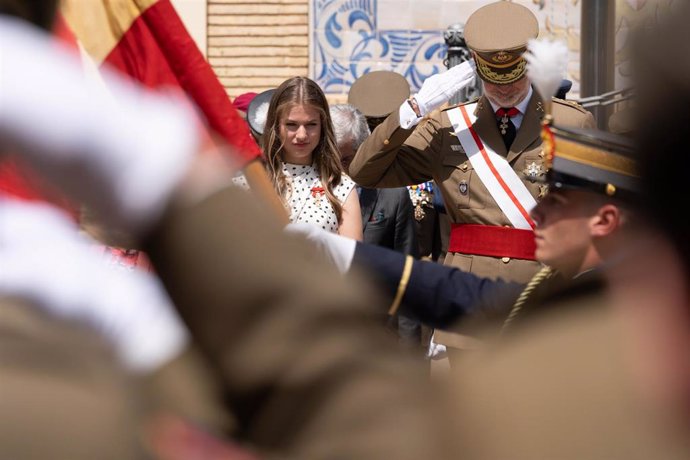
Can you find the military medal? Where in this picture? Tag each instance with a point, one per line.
(419, 213)
(505, 115)
(504, 124)
(317, 193)
(543, 190)
(421, 196)
(533, 170)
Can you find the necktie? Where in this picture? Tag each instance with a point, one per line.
(506, 126)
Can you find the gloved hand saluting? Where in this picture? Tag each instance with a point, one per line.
(436, 90)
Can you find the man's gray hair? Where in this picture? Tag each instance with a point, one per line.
(349, 125)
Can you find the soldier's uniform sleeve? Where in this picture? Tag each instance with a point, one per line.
(304, 368)
(393, 157)
(437, 295)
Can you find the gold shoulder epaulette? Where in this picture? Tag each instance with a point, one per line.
(569, 103)
(460, 104)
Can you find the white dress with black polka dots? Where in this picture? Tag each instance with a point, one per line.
(307, 203)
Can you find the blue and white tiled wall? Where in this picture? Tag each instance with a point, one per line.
(349, 38)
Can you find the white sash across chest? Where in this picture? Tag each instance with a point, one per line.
(504, 185)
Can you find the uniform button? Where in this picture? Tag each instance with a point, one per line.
(505, 260)
(386, 142)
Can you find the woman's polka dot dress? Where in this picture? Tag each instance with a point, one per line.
(307, 203)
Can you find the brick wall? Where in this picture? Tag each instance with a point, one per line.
(256, 45)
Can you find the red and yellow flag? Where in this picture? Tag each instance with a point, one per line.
(146, 40)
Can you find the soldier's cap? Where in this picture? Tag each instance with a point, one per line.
(378, 94)
(564, 88)
(498, 34)
(258, 111)
(592, 160)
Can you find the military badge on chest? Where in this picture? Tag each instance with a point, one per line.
(463, 187)
(533, 171)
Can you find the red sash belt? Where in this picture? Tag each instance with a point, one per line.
(492, 240)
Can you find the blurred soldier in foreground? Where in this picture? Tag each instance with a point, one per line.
(303, 369)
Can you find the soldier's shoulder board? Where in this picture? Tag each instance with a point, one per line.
(569, 104)
(473, 101)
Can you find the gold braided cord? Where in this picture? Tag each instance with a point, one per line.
(402, 286)
(502, 79)
(542, 275)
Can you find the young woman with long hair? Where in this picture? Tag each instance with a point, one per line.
(303, 161)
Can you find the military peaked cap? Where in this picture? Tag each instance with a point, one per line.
(498, 34)
(379, 93)
(591, 159)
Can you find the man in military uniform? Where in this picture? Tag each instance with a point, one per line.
(377, 95)
(488, 203)
(609, 377)
(581, 225)
(387, 214)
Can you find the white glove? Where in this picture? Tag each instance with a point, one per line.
(109, 144)
(339, 249)
(436, 350)
(45, 261)
(436, 91)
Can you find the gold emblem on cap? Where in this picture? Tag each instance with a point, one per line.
(610, 189)
(502, 57)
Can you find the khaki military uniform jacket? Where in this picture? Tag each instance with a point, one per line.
(393, 157)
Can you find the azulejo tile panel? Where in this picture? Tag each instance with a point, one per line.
(346, 43)
(351, 37)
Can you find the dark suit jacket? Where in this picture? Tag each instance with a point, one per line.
(388, 219)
